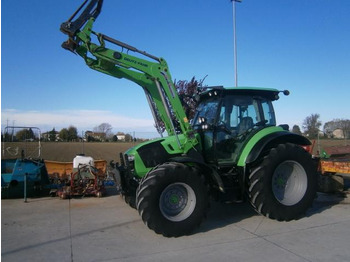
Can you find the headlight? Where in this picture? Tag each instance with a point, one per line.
(131, 158)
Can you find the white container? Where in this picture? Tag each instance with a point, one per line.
(83, 160)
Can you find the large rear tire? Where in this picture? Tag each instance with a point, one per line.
(172, 199)
(283, 186)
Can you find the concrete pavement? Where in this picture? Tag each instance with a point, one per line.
(107, 229)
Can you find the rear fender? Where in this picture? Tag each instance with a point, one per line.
(251, 153)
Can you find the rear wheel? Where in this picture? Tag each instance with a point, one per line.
(283, 186)
(172, 199)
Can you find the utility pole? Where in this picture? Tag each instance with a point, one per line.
(82, 140)
(234, 38)
(13, 128)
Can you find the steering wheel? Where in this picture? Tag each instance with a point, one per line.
(222, 125)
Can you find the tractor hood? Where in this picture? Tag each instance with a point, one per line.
(149, 154)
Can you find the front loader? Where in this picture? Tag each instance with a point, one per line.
(231, 151)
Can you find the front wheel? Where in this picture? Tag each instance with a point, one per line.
(172, 199)
(283, 186)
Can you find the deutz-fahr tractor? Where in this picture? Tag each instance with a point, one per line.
(231, 151)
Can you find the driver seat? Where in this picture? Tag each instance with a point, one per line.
(245, 124)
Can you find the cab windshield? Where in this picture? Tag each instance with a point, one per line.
(224, 122)
(236, 113)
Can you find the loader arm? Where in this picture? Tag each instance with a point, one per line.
(146, 70)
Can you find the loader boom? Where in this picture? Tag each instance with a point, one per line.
(152, 74)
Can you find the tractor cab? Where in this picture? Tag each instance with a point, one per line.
(227, 118)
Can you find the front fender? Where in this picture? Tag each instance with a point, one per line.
(267, 137)
(209, 173)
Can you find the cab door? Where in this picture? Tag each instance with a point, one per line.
(205, 124)
(237, 115)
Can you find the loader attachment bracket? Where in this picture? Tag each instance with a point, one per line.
(72, 27)
(92, 10)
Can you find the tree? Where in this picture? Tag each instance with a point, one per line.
(72, 133)
(329, 127)
(64, 134)
(187, 91)
(343, 124)
(91, 139)
(6, 137)
(52, 135)
(128, 138)
(105, 128)
(311, 125)
(296, 129)
(25, 134)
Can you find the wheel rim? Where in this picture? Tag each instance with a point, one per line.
(177, 202)
(289, 183)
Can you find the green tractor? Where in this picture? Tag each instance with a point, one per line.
(232, 150)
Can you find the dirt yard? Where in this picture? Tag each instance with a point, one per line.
(110, 151)
(324, 143)
(65, 152)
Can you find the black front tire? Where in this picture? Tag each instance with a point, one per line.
(283, 185)
(172, 199)
(129, 199)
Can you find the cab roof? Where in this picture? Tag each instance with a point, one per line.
(268, 93)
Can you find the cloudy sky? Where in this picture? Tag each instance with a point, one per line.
(300, 45)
